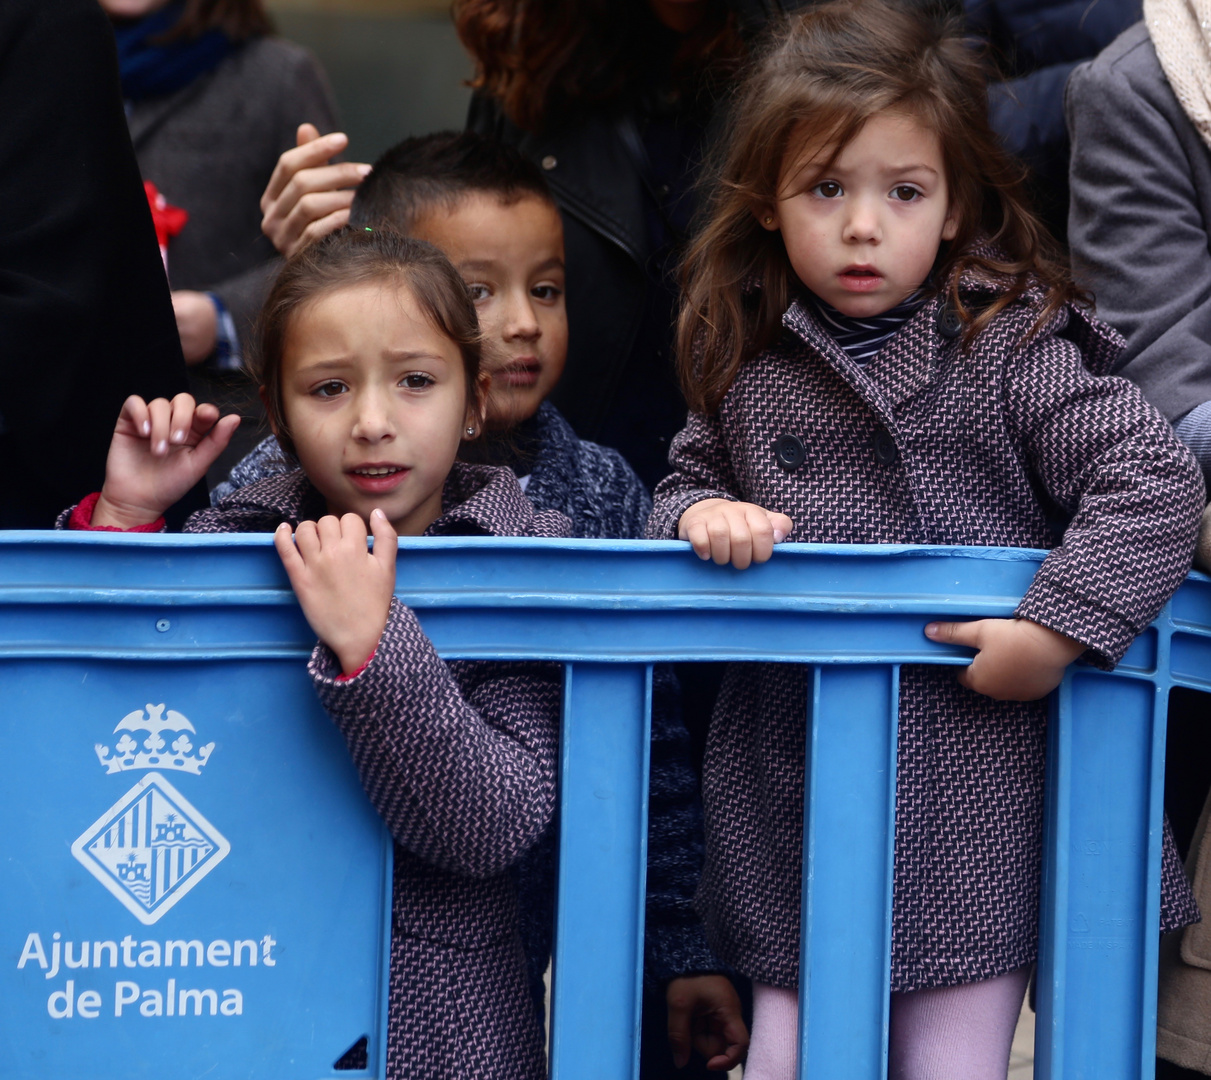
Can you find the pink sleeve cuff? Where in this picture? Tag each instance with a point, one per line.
(355, 674)
(82, 518)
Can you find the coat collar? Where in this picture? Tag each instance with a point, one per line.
(477, 500)
(907, 364)
(912, 359)
(485, 500)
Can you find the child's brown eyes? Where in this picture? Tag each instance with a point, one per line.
(827, 189)
(904, 193)
(546, 292)
(416, 381)
(329, 389)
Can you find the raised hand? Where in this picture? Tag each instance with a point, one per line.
(1017, 660)
(704, 1014)
(344, 589)
(306, 197)
(160, 449)
(736, 532)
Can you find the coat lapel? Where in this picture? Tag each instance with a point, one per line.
(900, 370)
(910, 361)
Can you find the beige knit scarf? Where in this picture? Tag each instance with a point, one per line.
(1181, 32)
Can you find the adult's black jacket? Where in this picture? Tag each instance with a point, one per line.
(85, 314)
(598, 187)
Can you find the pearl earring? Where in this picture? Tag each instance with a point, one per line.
(768, 219)
(470, 431)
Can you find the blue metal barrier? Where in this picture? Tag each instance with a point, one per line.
(194, 885)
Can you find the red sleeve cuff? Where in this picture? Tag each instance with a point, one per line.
(82, 518)
(355, 674)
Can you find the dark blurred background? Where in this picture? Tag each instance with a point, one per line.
(396, 66)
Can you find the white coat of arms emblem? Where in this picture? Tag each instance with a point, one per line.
(152, 846)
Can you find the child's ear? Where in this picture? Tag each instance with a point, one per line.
(477, 406)
(767, 216)
(950, 227)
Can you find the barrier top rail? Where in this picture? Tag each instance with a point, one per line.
(88, 624)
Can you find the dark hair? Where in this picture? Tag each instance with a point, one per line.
(352, 256)
(238, 19)
(439, 170)
(827, 71)
(544, 60)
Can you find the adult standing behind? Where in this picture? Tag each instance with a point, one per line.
(211, 101)
(1141, 203)
(1140, 120)
(1037, 43)
(85, 318)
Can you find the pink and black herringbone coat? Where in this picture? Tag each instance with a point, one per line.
(460, 761)
(1008, 444)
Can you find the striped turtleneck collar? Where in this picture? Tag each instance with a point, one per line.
(862, 338)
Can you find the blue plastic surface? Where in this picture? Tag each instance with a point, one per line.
(94, 630)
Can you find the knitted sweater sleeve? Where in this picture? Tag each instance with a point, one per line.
(459, 760)
(702, 469)
(1134, 492)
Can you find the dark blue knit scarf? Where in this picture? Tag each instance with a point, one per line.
(150, 70)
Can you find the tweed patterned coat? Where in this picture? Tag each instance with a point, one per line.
(1009, 443)
(460, 761)
(599, 493)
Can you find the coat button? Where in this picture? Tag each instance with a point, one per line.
(549, 162)
(950, 326)
(789, 452)
(884, 447)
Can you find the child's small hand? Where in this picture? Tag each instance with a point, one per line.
(704, 1013)
(735, 532)
(160, 449)
(1018, 660)
(344, 589)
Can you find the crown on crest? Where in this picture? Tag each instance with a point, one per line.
(155, 751)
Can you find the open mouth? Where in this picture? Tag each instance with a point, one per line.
(519, 373)
(860, 278)
(377, 479)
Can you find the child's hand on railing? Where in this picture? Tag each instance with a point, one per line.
(704, 1014)
(1017, 660)
(160, 449)
(344, 589)
(737, 532)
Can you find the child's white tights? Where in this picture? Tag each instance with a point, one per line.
(951, 1033)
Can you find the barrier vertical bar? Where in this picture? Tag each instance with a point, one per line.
(1097, 983)
(598, 966)
(849, 838)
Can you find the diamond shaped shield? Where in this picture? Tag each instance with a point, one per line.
(150, 848)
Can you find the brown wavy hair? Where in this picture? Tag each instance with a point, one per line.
(545, 60)
(353, 256)
(822, 75)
